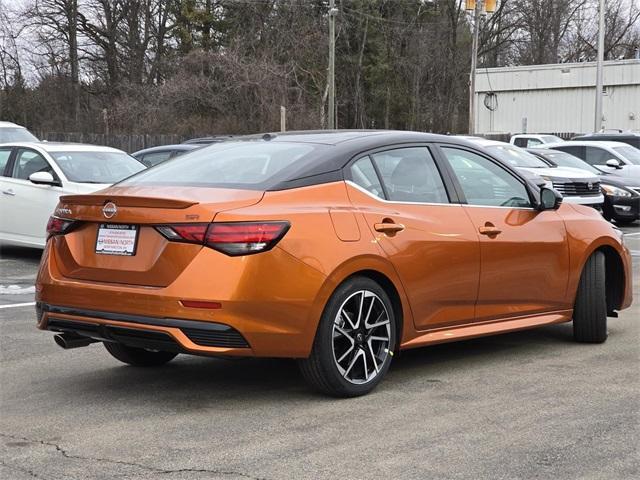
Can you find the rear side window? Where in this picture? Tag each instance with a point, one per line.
(575, 150)
(151, 159)
(247, 164)
(364, 175)
(5, 153)
(520, 142)
(410, 175)
(29, 162)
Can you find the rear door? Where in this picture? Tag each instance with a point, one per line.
(524, 253)
(426, 235)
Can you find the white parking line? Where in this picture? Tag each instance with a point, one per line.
(16, 305)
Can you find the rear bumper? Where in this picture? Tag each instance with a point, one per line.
(267, 306)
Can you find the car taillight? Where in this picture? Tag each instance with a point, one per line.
(232, 238)
(58, 226)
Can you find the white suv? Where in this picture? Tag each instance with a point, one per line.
(576, 186)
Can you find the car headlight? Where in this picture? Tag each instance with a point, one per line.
(616, 191)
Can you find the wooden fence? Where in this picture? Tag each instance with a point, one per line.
(128, 143)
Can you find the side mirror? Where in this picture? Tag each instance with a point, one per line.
(43, 178)
(613, 163)
(549, 199)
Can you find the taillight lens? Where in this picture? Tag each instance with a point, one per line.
(58, 226)
(232, 238)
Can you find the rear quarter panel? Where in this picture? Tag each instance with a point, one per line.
(327, 243)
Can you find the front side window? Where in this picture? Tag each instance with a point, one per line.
(484, 182)
(410, 175)
(532, 142)
(29, 162)
(597, 156)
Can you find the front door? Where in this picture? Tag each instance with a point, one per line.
(524, 253)
(27, 207)
(428, 238)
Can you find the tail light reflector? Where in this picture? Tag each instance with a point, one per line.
(231, 238)
(58, 226)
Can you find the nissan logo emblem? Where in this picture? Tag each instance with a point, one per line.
(109, 210)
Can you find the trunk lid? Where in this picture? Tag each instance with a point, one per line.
(156, 261)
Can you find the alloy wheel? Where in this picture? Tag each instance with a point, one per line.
(361, 337)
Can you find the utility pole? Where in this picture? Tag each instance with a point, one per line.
(332, 65)
(599, 73)
(474, 61)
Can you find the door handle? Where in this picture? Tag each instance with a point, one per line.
(9, 192)
(489, 229)
(388, 227)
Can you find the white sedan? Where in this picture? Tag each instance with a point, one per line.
(34, 175)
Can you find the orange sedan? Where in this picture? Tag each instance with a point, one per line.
(335, 248)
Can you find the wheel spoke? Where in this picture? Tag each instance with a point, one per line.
(344, 332)
(360, 310)
(349, 350)
(346, 315)
(366, 319)
(379, 339)
(352, 363)
(366, 370)
(373, 357)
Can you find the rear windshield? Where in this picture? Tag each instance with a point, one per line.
(630, 153)
(96, 167)
(250, 165)
(16, 134)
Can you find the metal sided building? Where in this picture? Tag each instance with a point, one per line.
(556, 98)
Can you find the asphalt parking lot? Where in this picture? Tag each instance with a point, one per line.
(517, 406)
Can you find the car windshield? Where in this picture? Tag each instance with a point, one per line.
(16, 134)
(563, 159)
(96, 167)
(516, 157)
(246, 164)
(630, 153)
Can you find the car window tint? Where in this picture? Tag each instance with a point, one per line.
(151, 159)
(484, 182)
(411, 175)
(575, 150)
(597, 156)
(28, 162)
(5, 153)
(364, 175)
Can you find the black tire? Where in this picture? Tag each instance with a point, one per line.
(590, 310)
(322, 369)
(138, 357)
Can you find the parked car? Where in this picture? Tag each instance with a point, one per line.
(525, 140)
(11, 132)
(621, 194)
(155, 155)
(34, 175)
(631, 138)
(576, 186)
(616, 158)
(335, 248)
(208, 140)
